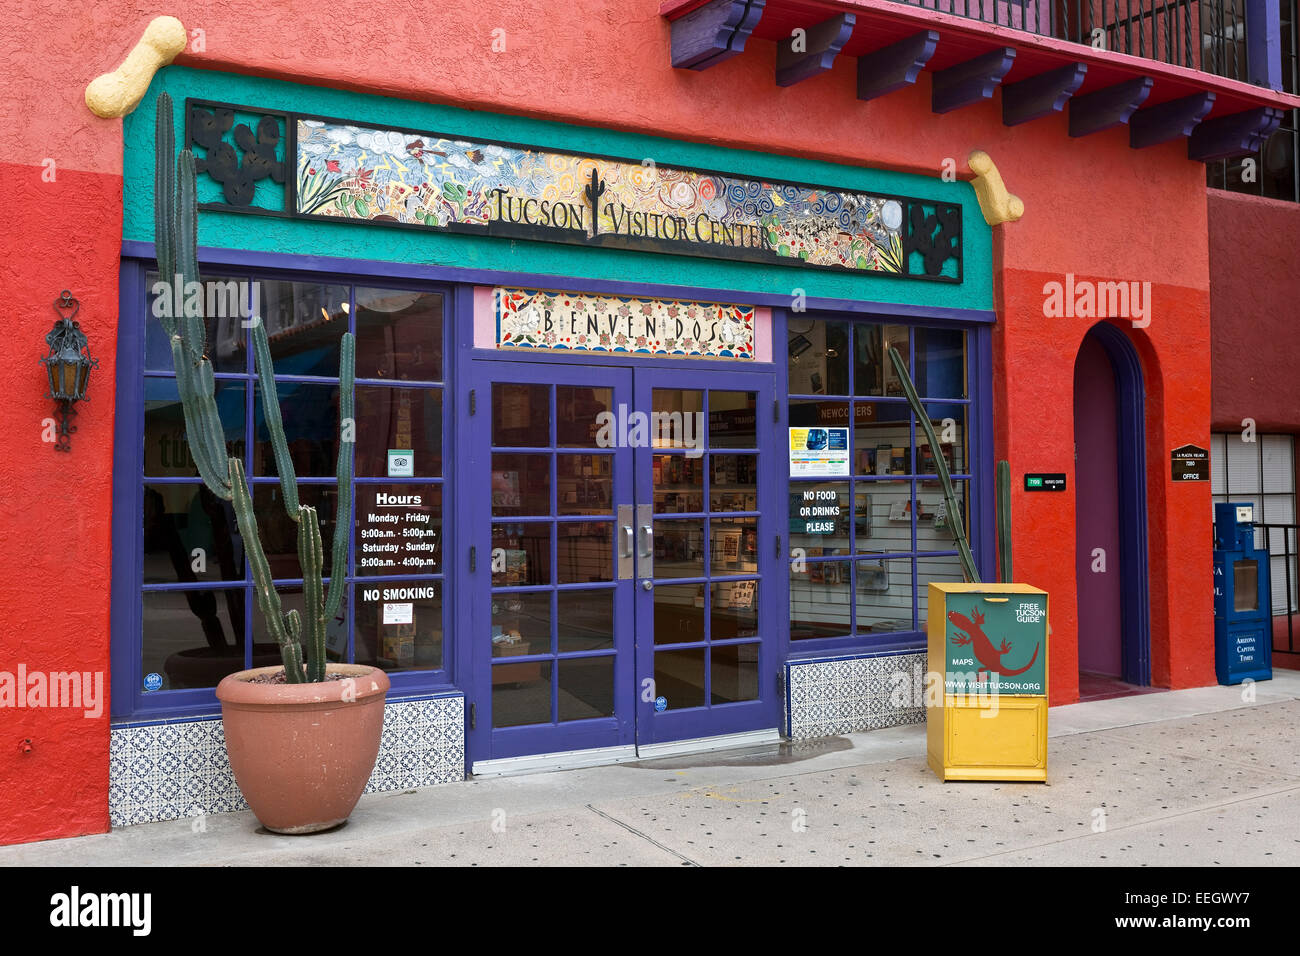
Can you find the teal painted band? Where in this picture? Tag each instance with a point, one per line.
(363, 241)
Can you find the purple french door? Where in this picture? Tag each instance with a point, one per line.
(617, 519)
(704, 536)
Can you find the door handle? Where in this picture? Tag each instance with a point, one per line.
(626, 562)
(645, 561)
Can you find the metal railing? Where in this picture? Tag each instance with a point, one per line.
(1288, 555)
(1207, 35)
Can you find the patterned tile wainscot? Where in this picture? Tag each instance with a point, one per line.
(170, 771)
(850, 694)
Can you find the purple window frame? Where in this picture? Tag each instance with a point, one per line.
(456, 284)
(129, 700)
(980, 464)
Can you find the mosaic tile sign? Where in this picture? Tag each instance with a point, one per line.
(536, 318)
(359, 172)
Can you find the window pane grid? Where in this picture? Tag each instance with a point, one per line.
(864, 571)
(553, 583)
(706, 625)
(302, 316)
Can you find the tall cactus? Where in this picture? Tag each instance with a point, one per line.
(176, 244)
(941, 466)
(1004, 521)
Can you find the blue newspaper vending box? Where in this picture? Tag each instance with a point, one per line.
(1243, 618)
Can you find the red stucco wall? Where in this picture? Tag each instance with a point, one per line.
(1094, 208)
(1098, 210)
(1037, 435)
(54, 507)
(1253, 244)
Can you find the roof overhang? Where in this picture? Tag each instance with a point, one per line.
(894, 42)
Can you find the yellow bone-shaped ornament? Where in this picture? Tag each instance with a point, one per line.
(996, 203)
(117, 93)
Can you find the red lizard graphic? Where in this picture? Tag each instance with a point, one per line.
(985, 652)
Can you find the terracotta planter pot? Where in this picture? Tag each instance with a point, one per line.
(302, 753)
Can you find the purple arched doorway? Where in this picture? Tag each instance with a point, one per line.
(1110, 516)
(1098, 570)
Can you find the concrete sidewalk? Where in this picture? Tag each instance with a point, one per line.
(1194, 777)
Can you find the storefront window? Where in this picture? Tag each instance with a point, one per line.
(867, 538)
(199, 617)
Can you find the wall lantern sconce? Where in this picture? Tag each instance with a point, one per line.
(68, 365)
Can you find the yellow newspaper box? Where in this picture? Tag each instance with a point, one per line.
(988, 644)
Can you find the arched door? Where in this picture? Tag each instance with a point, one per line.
(1110, 508)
